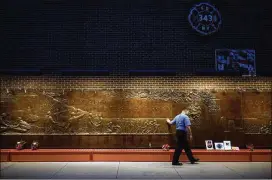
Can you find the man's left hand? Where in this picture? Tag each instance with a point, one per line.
(168, 121)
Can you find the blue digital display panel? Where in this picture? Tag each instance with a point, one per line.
(242, 61)
(205, 18)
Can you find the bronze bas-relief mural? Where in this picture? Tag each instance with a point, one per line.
(99, 112)
(133, 112)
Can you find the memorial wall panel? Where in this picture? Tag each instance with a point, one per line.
(132, 118)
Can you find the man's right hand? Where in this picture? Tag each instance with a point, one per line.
(190, 138)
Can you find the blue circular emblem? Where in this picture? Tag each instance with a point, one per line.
(205, 18)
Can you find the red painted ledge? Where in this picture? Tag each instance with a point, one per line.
(4, 155)
(134, 155)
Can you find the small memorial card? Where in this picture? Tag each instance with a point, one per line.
(209, 144)
(227, 145)
(235, 148)
(219, 146)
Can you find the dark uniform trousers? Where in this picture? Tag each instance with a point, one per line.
(182, 143)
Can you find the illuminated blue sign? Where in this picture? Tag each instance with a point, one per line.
(205, 18)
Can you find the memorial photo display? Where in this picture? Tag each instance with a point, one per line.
(227, 145)
(209, 144)
(232, 60)
(219, 146)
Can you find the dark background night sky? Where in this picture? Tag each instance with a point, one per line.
(120, 35)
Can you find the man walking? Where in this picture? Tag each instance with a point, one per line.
(183, 130)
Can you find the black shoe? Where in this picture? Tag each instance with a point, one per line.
(194, 161)
(177, 164)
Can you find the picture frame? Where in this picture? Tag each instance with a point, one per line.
(219, 146)
(209, 145)
(236, 60)
(235, 148)
(227, 145)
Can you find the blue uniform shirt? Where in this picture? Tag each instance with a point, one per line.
(181, 121)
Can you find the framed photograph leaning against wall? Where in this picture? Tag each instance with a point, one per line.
(209, 144)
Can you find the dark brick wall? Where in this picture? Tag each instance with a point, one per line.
(120, 35)
(118, 82)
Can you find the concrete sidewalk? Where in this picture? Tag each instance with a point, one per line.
(135, 170)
